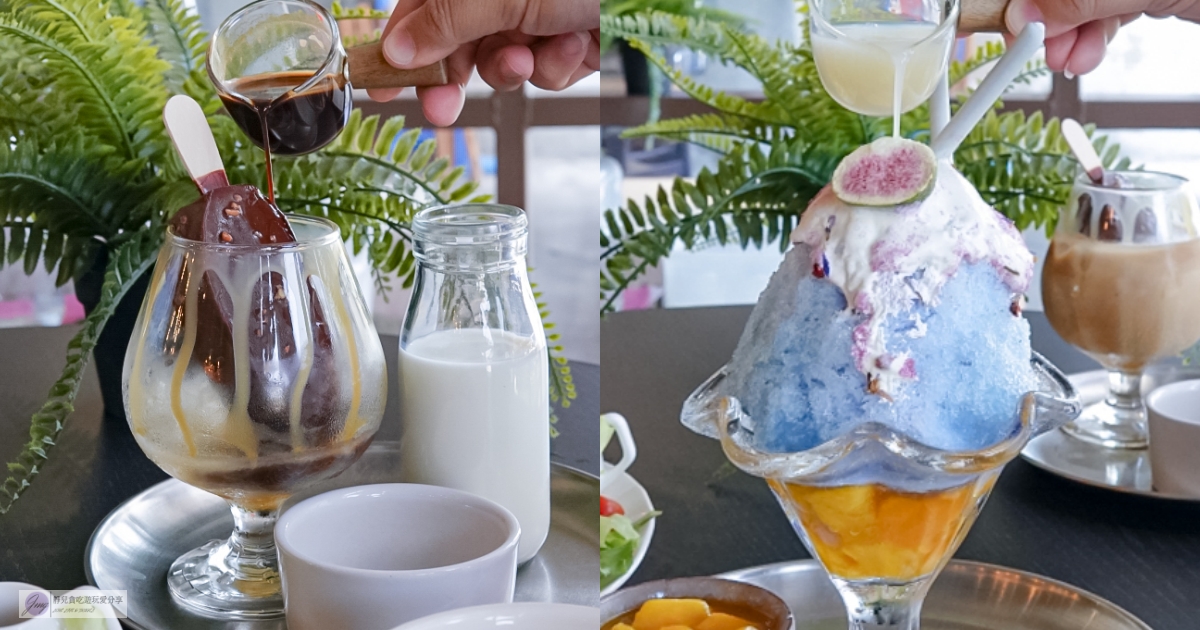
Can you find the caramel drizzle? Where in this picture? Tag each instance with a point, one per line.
(353, 420)
(185, 354)
(137, 396)
(302, 376)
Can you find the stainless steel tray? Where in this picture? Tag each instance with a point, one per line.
(966, 596)
(135, 545)
(1114, 469)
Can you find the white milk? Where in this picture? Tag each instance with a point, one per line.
(475, 410)
(859, 69)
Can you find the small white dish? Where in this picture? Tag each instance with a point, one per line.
(1174, 414)
(10, 613)
(624, 489)
(520, 616)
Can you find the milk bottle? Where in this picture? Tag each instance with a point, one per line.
(474, 377)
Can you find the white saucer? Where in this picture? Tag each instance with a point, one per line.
(519, 616)
(625, 490)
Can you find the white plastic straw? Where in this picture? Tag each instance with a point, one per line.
(992, 88)
(939, 107)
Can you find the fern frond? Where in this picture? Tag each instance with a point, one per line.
(720, 132)
(182, 43)
(101, 67)
(644, 32)
(126, 265)
(753, 198)
(340, 12)
(391, 158)
(989, 52)
(69, 199)
(562, 384)
(1022, 166)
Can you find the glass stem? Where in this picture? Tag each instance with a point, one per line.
(250, 552)
(1125, 393)
(877, 606)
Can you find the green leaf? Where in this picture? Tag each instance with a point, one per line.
(182, 43)
(127, 264)
(99, 67)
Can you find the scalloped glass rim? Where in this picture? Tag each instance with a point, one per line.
(706, 412)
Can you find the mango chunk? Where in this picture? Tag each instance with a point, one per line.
(723, 621)
(622, 626)
(660, 614)
(676, 627)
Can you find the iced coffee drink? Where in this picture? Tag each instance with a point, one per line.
(1122, 283)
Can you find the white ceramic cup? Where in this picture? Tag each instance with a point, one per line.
(371, 557)
(609, 472)
(521, 616)
(1174, 413)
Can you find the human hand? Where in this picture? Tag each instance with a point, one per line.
(1078, 31)
(550, 43)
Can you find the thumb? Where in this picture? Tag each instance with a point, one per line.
(438, 27)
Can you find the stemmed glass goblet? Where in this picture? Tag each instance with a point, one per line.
(1122, 283)
(882, 512)
(253, 371)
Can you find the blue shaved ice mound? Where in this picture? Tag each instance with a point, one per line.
(794, 374)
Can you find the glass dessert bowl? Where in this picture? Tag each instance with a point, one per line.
(881, 511)
(253, 371)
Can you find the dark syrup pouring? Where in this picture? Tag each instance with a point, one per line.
(294, 123)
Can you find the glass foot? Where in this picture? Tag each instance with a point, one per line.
(203, 582)
(880, 604)
(1110, 427)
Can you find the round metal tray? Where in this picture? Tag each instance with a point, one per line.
(966, 596)
(1121, 470)
(135, 545)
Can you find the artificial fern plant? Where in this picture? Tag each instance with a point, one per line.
(88, 169)
(775, 154)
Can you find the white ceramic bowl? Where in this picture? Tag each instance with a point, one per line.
(371, 557)
(521, 616)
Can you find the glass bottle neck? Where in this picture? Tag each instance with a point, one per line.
(475, 258)
(449, 297)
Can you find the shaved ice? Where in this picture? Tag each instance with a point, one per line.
(908, 316)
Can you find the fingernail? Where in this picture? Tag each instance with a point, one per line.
(1068, 74)
(1019, 14)
(399, 48)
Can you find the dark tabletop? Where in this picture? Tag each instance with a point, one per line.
(97, 465)
(1141, 553)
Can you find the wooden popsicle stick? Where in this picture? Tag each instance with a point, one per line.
(368, 70)
(982, 16)
(193, 139)
(1082, 147)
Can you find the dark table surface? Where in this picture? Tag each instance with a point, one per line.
(97, 465)
(1141, 553)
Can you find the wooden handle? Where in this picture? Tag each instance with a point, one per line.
(368, 69)
(982, 16)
